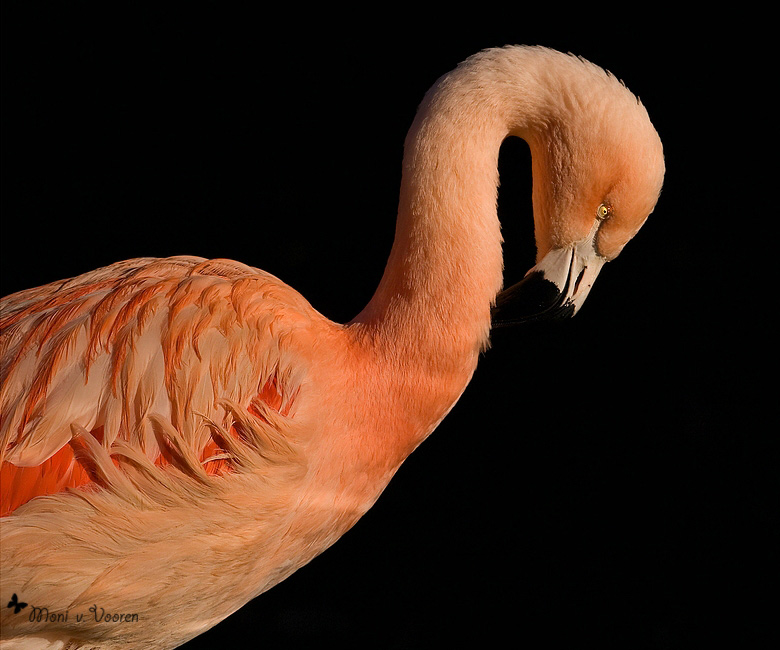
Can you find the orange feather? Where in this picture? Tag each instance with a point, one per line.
(195, 430)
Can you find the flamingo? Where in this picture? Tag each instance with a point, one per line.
(179, 435)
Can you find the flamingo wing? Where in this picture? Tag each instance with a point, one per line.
(147, 355)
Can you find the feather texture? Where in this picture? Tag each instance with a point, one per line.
(178, 435)
(106, 349)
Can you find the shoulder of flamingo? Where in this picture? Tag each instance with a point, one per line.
(155, 354)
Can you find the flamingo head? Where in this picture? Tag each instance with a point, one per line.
(598, 167)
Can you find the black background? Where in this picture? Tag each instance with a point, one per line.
(603, 482)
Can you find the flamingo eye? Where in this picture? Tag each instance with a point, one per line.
(603, 211)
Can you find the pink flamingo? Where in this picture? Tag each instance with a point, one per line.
(181, 434)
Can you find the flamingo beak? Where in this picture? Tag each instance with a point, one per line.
(555, 288)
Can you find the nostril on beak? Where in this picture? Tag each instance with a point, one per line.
(579, 279)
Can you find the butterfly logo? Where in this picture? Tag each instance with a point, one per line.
(18, 606)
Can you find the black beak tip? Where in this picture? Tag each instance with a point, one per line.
(534, 298)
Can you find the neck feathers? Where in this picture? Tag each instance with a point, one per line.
(445, 267)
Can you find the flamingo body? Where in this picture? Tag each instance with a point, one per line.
(179, 435)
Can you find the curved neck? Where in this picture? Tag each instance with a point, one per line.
(445, 267)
